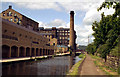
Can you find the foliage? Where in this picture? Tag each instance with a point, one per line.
(106, 31)
(81, 55)
(91, 48)
(103, 50)
(114, 4)
(114, 52)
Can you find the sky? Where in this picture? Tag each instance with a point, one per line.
(55, 13)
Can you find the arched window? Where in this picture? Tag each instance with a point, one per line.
(3, 14)
(15, 14)
(10, 13)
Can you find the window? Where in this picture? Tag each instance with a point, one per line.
(13, 33)
(68, 33)
(5, 31)
(65, 33)
(15, 14)
(15, 20)
(11, 19)
(3, 14)
(53, 44)
(26, 36)
(20, 35)
(60, 37)
(10, 13)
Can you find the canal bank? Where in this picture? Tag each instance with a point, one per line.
(76, 69)
(24, 59)
(32, 58)
(50, 66)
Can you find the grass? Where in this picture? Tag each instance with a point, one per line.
(101, 65)
(74, 70)
(81, 55)
(95, 57)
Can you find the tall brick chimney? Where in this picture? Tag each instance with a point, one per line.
(72, 32)
(10, 7)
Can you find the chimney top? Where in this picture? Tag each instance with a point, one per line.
(10, 7)
(71, 12)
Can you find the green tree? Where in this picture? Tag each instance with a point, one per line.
(103, 50)
(101, 30)
(91, 48)
(106, 31)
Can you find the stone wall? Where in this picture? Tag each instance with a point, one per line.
(112, 62)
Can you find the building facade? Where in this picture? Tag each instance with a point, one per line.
(52, 41)
(21, 20)
(61, 34)
(18, 41)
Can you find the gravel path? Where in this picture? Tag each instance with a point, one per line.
(89, 68)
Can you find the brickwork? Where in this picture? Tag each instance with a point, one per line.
(21, 20)
(18, 41)
(72, 32)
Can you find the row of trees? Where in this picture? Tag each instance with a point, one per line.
(106, 32)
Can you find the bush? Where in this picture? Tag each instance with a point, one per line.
(81, 55)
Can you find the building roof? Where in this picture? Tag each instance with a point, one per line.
(61, 28)
(18, 26)
(19, 13)
(45, 33)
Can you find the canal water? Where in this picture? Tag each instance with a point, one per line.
(50, 66)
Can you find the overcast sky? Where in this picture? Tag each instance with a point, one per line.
(55, 13)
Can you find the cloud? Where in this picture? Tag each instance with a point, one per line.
(67, 5)
(57, 23)
(54, 23)
(38, 6)
(90, 16)
(50, 1)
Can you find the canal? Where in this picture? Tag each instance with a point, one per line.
(50, 66)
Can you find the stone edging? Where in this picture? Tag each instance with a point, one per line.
(80, 67)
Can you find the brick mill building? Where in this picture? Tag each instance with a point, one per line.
(61, 34)
(19, 36)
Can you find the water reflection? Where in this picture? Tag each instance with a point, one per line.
(52, 66)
